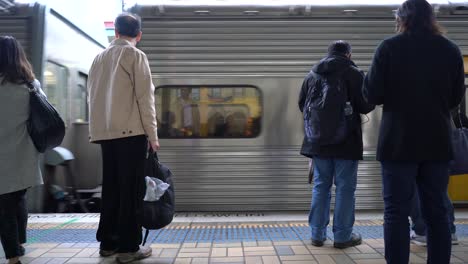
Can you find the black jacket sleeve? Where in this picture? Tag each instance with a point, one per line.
(374, 84)
(458, 89)
(359, 103)
(303, 93)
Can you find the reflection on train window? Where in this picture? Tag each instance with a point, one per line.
(79, 102)
(208, 111)
(56, 77)
(215, 93)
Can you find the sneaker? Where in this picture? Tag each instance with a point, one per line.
(11, 261)
(22, 251)
(144, 252)
(317, 243)
(106, 253)
(354, 241)
(417, 239)
(454, 239)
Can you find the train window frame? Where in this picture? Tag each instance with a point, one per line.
(259, 95)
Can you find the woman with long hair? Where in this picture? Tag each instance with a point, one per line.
(418, 77)
(19, 159)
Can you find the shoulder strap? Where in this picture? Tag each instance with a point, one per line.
(348, 94)
(32, 87)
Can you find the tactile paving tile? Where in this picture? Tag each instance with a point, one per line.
(208, 233)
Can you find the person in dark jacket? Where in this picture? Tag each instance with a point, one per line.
(418, 77)
(336, 162)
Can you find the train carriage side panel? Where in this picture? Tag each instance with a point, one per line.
(271, 48)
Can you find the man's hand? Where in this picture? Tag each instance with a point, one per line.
(154, 145)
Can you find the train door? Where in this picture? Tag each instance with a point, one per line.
(86, 155)
(459, 184)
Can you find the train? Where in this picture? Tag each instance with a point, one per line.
(61, 53)
(227, 80)
(242, 67)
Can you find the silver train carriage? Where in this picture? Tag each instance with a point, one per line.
(228, 79)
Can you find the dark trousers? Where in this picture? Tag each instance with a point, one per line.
(400, 180)
(13, 222)
(122, 193)
(417, 220)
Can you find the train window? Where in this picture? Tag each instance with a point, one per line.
(56, 83)
(208, 111)
(79, 99)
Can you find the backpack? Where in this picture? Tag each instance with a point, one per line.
(158, 214)
(327, 110)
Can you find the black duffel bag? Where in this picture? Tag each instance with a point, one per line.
(45, 126)
(160, 213)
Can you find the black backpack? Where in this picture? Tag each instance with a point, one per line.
(328, 113)
(160, 213)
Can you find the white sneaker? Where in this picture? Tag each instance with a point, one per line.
(417, 239)
(144, 252)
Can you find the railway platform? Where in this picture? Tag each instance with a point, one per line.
(196, 238)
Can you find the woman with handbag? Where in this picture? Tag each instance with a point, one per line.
(19, 158)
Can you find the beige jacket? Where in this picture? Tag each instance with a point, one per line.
(121, 94)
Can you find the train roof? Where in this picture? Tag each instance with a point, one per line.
(283, 2)
(281, 8)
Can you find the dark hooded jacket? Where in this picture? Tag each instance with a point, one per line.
(352, 148)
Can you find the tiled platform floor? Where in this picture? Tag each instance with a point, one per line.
(252, 252)
(72, 241)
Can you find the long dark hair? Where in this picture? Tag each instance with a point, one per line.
(14, 66)
(416, 16)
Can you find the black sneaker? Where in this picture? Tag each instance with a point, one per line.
(317, 243)
(354, 241)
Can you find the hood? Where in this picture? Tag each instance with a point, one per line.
(332, 63)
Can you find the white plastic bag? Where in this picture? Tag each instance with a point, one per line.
(155, 188)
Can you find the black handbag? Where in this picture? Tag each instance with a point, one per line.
(45, 126)
(459, 164)
(160, 213)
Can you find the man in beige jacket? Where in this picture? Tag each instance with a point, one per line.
(122, 120)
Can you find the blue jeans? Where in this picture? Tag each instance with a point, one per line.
(417, 221)
(344, 172)
(400, 180)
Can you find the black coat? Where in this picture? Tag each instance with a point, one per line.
(418, 78)
(352, 148)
